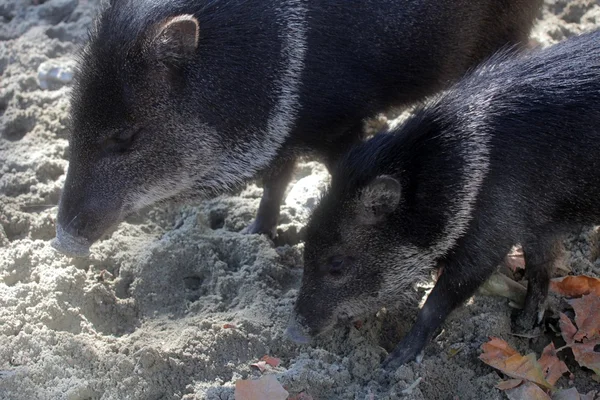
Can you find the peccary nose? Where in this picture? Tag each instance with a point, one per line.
(70, 245)
(296, 332)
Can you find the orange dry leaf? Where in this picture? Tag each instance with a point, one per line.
(575, 286)
(265, 388)
(272, 361)
(228, 326)
(498, 354)
(528, 391)
(497, 348)
(553, 367)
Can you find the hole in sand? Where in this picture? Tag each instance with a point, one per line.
(192, 282)
(123, 286)
(217, 218)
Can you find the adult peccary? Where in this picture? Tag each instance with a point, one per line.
(510, 154)
(184, 98)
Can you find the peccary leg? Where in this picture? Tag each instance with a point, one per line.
(467, 268)
(541, 254)
(275, 182)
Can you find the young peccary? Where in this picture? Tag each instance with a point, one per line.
(510, 154)
(189, 98)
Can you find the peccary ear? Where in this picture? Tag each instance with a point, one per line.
(176, 37)
(378, 199)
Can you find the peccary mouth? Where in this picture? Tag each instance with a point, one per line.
(70, 245)
(296, 332)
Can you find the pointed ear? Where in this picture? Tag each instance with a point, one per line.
(176, 38)
(378, 199)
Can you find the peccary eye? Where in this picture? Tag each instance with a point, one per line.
(338, 265)
(120, 142)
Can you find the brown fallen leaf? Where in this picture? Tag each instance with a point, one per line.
(228, 326)
(509, 384)
(527, 391)
(572, 394)
(586, 356)
(587, 316)
(575, 286)
(498, 354)
(567, 329)
(265, 388)
(552, 367)
(272, 361)
(583, 338)
(261, 366)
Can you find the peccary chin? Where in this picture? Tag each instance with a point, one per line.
(508, 155)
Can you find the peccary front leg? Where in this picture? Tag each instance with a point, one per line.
(541, 255)
(275, 182)
(470, 265)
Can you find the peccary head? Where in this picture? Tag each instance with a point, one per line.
(128, 144)
(360, 252)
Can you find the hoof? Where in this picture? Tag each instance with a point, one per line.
(260, 228)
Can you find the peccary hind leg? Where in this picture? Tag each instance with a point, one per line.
(541, 254)
(275, 182)
(464, 271)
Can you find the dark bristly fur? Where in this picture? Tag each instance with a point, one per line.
(167, 108)
(510, 154)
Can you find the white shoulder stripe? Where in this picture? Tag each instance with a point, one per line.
(284, 114)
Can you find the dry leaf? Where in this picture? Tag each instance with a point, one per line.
(575, 286)
(572, 394)
(497, 348)
(272, 361)
(567, 329)
(498, 354)
(528, 391)
(587, 316)
(509, 384)
(553, 367)
(265, 388)
(501, 285)
(228, 326)
(586, 336)
(586, 356)
(261, 365)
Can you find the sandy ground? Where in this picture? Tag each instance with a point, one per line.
(143, 317)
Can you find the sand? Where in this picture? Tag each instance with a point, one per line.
(144, 316)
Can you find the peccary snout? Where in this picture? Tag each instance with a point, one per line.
(81, 222)
(296, 332)
(70, 245)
